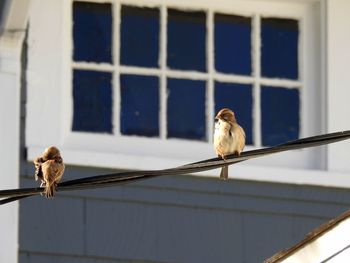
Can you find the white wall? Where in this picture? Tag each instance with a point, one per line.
(10, 72)
(338, 83)
(9, 147)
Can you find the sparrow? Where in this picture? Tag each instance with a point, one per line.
(49, 168)
(229, 137)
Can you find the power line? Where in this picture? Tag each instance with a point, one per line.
(112, 179)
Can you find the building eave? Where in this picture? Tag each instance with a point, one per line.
(312, 236)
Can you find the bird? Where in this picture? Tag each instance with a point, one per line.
(49, 168)
(229, 137)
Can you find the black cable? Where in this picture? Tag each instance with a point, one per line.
(209, 164)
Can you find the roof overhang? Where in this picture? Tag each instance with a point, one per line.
(330, 241)
(13, 16)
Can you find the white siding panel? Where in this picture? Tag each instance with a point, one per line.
(9, 163)
(338, 81)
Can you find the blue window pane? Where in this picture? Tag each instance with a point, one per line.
(279, 48)
(186, 40)
(139, 113)
(233, 44)
(237, 97)
(92, 99)
(186, 109)
(92, 32)
(139, 36)
(279, 115)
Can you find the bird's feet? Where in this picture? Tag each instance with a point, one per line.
(43, 184)
(222, 157)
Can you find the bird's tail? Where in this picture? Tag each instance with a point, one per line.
(224, 173)
(50, 190)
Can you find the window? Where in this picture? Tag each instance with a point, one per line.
(249, 52)
(146, 78)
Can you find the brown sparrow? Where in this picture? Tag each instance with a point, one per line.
(229, 137)
(49, 169)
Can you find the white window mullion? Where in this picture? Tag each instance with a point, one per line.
(280, 83)
(134, 70)
(182, 74)
(231, 78)
(106, 67)
(116, 75)
(256, 57)
(163, 81)
(210, 103)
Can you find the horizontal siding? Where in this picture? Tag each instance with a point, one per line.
(38, 257)
(57, 225)
(172, 219)
(215, 200)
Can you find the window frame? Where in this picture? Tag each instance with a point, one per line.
(128, 152)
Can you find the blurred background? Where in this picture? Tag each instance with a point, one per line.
(135, 84)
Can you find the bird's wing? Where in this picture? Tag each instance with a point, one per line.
(241, 131)
(240, 136)
(52, 171)
(38, 170)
